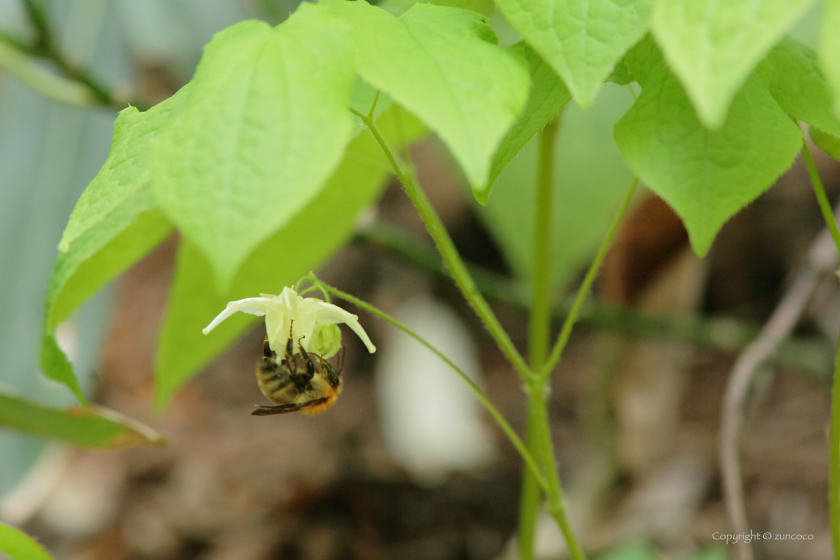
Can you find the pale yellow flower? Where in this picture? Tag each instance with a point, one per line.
(315, 321)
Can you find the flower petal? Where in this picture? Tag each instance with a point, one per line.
(329, 313)
(254, 306)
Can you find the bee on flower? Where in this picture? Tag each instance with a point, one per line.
(302, 334)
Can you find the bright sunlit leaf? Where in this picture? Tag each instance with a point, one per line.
(581, 39)
(263, 127)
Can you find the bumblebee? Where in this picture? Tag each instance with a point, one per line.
(303, 381)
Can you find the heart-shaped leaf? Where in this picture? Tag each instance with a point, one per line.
(263, 127)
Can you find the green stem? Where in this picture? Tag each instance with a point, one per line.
(45, 47)
(834, 437)
(556, 500)
(825, 205)
(449, 253)
(494, 412)
(566, 330)
(539, 325)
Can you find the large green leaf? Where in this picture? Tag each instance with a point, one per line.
(114, 224)
(712, 47)
(590, 178)
(830, 48)
(304, 243)
(547, 96)
(581, 39)
(17, 545)
(799, 87)
(706, 176)
(126, 170)
(87, 427)
(441, 64)
(263, 127)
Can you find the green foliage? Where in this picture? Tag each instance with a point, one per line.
(714, 47)
(125, 172)
(105, 249)
(706, 176)
(469, 100)
(17, 545)
(86, 427)
(264, 125)
(263, 168)
(581, 39)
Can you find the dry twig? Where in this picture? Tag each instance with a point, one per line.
(821, 258)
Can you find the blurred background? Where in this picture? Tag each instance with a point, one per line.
(406, 465)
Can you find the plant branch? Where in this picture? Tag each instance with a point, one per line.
(45, 47)
(834, 434)
(566, 330)
(539, 327)
(450, 255)
(822, 258)
(494, 412)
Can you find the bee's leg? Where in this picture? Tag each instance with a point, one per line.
(284, 408)
(310, 365)
(267, 353)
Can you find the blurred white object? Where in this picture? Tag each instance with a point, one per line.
(432, 423)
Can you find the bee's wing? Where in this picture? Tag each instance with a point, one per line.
(284, 408)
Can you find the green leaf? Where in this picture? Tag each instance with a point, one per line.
(799, 87)
(96, 257)
(712, 47)
(303, 244)
(581, 39)
(828, 143)
(114, 224)
(86, 427)
(437, 63)
(17, 545)
(126, 170)
(706, 176)
(547, 96)
(830, 48)
(590, 179)
(262, 129)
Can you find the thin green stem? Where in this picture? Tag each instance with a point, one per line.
(825, 205)
(834, 437)
(566, 330)
(632, 91)
(539, 326)
(556, 500)
(450, 255)
(373, 106)
(540, 316)
(494, 412)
